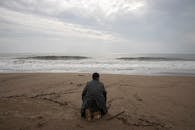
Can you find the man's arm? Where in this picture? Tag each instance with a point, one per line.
(104, 92)
(84, 91)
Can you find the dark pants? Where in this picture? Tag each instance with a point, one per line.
(91, 104)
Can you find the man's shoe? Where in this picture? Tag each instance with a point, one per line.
(97, 115)
(88, 115)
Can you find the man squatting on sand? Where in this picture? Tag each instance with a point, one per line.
(94, 99)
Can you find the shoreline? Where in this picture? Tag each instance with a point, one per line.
(50, 101)
(163, 74)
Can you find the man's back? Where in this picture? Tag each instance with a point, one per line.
(95, 88)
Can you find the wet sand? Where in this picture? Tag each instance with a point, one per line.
(34, 101)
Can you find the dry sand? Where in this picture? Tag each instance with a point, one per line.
(52, 102)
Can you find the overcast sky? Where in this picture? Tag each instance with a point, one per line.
(97, 26)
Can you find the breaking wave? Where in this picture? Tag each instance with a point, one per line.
(155, 59)
(56, 57)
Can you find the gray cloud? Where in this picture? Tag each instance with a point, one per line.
(156, 26)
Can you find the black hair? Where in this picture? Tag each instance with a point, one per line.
(95, 76)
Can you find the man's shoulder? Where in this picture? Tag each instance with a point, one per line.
(95, 82)
(88, 82)
(101, 83)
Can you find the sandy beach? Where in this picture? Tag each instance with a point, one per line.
(48, 101)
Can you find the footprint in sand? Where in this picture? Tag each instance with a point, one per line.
(137, 97)
(41, 124)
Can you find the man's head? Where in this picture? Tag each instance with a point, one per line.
(95, 76)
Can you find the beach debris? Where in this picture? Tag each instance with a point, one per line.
(40, 117)
(41, 123)
(79, 84)
(71, 92)
(55, 101)
(116, 115)
(15, 96)
(143, 122)
(43, 94)
(52, 93)
(137, 97)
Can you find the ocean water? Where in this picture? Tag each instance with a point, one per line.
(134, 64)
